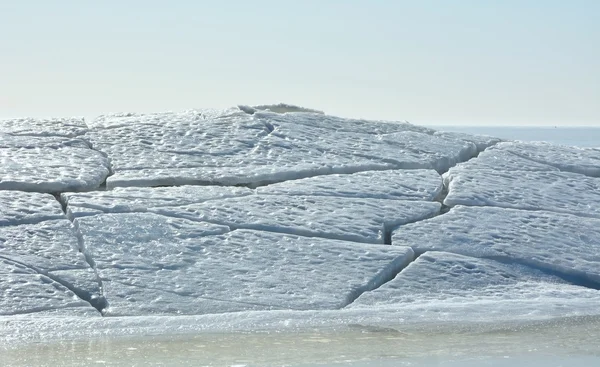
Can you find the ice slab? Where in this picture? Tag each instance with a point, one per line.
(47, 165)
(17, 207)
(423, 185)
(152, 264)
(561, 192)
(133, 199)
(448, 277)
(317, 119)
(584, 161)
(482, 142)
(61, 127)
(232, 147)
(51, 248)
(23, 291)
(499, 159)
(352, 219)
(560, 244)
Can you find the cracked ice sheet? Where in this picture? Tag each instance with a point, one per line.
(236, 148)
(24, 291)
(563, 244)
(482, 142)
(562, 192)
(351, 219)
(151, 264)
(133, 199)
(50, 248)
(500, 159)
(446, 279)
(338, 124)
(584, 161)
(423, 185)
(18, 207)
(49, 165)
(51, 127)
(403, 149)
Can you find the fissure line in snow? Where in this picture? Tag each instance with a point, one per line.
(99, 303)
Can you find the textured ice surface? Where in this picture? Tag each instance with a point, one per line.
(571, 159)
(133, 199)
(62, 127)
(17, 207)
(499, 159)
(562, 192)
(152, 264)
(233, 147)
(50, 248)
(23, 290)
(447, 277)
(558, 243)
(49, 162)
(482, 142)
(351, 219)
(395, 184)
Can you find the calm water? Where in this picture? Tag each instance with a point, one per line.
(577, 136)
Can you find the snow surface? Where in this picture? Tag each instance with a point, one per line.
(278, 217)
(585, 161)
(561, 244)
(423, 185)
(232, 147)
(529, 190)
(452, 278)
(49, 250)
(50, 127)
(152, 264)
(350, 219)
(133, 199)
(23, 290)
(17, 207)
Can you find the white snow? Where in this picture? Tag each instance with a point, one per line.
(133, 199)
(23, 291)
(50, 248)
(152, 264)
(49, 127)
(530, 190)
(303, 242)
(423, 185)
(41, 155)
(562, 244)
(451, 278)
(585, 161)
(18, 207)
(351, 219)
(232, 147)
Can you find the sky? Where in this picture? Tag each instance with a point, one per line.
(468, 62)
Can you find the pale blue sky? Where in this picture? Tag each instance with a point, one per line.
(429, 62)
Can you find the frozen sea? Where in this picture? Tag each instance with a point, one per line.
(479, 304)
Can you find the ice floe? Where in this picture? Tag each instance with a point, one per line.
(152, 264)
(351, 219)
(232, 147)
(52, 249)
(562, 192)
(18, 207)
(25, 291)
(133, 199)
(423, 185)
(49, 127)
(43, 156)
(451, 278)
(560, 244)
(571, 159)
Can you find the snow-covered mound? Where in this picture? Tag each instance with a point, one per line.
(279, 212)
